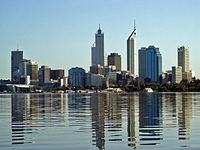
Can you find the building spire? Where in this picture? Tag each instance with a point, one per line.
(99, 27)
(134, 25)
(17, 47)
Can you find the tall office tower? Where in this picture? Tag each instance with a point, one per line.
(44, 74)
(76, 77)
(131, 52)
(16, 58)
(153, 63)
(114, 60)
(98, 49)
(142, 62)
(23, 67)
(183, 58)
(57, 74)
(32, 70)
(176, 74)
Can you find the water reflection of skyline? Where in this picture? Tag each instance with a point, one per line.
(103, 115)
(31, 112)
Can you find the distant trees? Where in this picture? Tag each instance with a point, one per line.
(183, 86)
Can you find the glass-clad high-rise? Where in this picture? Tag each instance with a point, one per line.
(153, 64)
(16, 58)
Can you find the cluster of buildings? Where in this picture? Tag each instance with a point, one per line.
(24, 71)
(25, 75)
(105, 70)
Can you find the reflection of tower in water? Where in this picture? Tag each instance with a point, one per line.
(30, 112)
(132, 106)
(150, 115)
(98, 111)
(23, 111)
(184, 107)
(113, 117)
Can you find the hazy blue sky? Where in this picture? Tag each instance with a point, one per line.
(59, 33)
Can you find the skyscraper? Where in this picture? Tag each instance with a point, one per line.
(114, 60)
(183, 58)
(142, 62)
(176, 74)
(23, 67)
(98, 49)
(131, 52)
(32, 70)
(44, 74)
(16, 58)
(153, 63)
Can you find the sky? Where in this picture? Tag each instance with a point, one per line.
(60, 33)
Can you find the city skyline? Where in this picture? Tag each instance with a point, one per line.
(42, 42)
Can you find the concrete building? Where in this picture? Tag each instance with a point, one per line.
(183, 58)
(187, 76)
(29, 68)
(153, 64)
(57, 74)
(44, 74)
(76, 77)
(94, 80)
(97, 49)
(16, 58)
(23, 67)
(176, 74)
(32, 70)
(131, 53)
(115, 60)
(142, 62)
(105, 60)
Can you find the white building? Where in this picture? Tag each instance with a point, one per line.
(131, 53)
(176, 74)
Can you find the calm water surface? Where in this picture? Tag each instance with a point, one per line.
(100, 121)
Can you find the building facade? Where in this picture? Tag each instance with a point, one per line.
(16, 57)
(183, 58)
(76, 77)
(114, 60)
(150, 63)
(94, 80)
(96, 69)
(176, 74)
(44, 74)
(23, 67)
(142, 62)
(153, 64)
(97, 49)
(57, 74)
(32, 70)
(131, 53)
